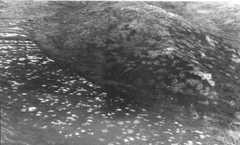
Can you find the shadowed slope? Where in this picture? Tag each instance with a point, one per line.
(141, 47)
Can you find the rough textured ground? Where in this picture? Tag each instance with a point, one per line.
(140, 49)
(147, 77)
(42, 103)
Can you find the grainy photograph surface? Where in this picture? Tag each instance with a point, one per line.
(119, 72)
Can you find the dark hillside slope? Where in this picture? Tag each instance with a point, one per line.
(140, 49)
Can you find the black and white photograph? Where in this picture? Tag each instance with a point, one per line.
(119, 72)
